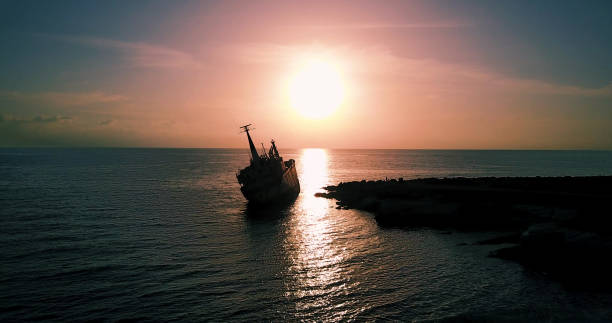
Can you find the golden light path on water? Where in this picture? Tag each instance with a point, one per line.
(315, 256)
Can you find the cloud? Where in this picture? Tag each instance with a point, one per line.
(140, 54)
(39, 119)
(536, 86)
(61, 130)
(106, 122)
(433, 75)
(437, 74)
(63, 99)
(366, 26)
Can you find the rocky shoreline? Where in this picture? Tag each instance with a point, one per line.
(560, 226)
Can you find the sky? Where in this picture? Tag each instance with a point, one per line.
(414, 74)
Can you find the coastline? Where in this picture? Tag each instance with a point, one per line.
(558, 226)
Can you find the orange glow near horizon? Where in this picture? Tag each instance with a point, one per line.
(398, 75)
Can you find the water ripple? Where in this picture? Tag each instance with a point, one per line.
(154, 234)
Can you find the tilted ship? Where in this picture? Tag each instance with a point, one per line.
(268, 179)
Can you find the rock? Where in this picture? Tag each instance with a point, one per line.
(512, 238)
(577, 258)
(556, 222)
(369, 203)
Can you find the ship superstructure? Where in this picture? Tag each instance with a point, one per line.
(268, 179)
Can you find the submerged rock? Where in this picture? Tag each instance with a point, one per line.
(512, 238)
(578, 258)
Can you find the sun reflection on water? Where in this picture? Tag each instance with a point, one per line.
(313, 176)
(314, 256)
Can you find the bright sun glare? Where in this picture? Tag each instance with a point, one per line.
(316, 90)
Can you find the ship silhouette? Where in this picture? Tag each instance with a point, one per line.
(268, 179)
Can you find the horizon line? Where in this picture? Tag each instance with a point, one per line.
(293, 148)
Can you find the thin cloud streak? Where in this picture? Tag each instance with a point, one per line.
(39, 119)
(140, 54)
(64, 99)
(365, 26)
(415, 72)
(106, 122)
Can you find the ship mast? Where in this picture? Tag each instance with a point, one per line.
(254, 154)
(274, 150)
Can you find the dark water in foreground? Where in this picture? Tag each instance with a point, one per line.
(156, 234)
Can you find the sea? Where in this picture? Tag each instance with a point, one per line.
(165, 235)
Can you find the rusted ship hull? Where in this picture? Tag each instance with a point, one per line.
(273, 190)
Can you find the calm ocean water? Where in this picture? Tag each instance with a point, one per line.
(164, 234)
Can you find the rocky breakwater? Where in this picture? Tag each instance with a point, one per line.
(560, 226)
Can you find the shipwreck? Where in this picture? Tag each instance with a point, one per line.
(268, 179)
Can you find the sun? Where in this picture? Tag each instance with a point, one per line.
(316, 90)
